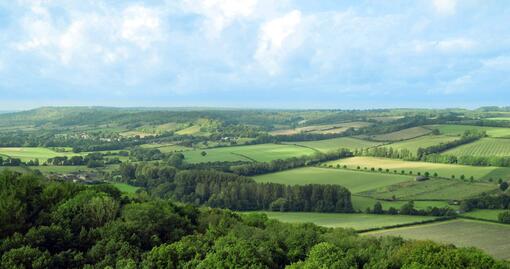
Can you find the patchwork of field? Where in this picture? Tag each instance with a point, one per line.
(421, 142)
(485, 147)
(259, 153)
(353, 221)
(362, 202)
(402, 134)
(337, 143)
(322, 129)
(355, 181)
(443, 170)
(432, 189)
(486, 214)
(27, 154)
(490, 237)
(457, 130)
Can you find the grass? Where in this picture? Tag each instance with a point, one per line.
(421, 142)
(125, 188)
(166, 148)
(443, 170)
(457, 130)
(402, 134)
(28, 153)
(344, 220)
(322, 129)
(490, 237)
(486, 147)
(259, 153)
(361, 203)
(487, 214)
(338, 143)
(433, 189)
(355, 181)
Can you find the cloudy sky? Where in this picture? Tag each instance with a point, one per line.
(255, 53)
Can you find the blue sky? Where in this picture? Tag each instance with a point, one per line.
(255, 53)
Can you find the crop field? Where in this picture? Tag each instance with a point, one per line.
(433, 189)
(323, 129)
(490, 237)
(421, 142)
(27, 154)
(337, 143)
(355, 181)
(259, 153)
(487, 214)
(499, 118)
(485, 147)
(443, 170)
(457, 130)
(402, 134)
(362, 202)
(353, 221)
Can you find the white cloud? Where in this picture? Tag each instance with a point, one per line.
(451, 45)
(141, 26)
(445, 7)
(272, 40)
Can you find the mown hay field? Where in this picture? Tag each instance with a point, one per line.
(485, 147)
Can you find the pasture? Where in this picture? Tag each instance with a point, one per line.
(322, 129)
(457, 130)
(165, 148)
(28, 153)
(490, 237)
(125, 188)
(259, 153)
(345, 220)
(362, 202)
(402, 134)
(421, 142)
(337, 143)
(355, 181)
(443, 170)
(486, 214)
(485, 147)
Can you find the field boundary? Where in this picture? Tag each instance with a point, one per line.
(416, 223)
(480, 219)
(244, 156)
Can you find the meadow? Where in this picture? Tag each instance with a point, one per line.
(421, 142)
(457, 130)
(353, 221)
(361, 203)
(490, 237)
(355, 181)
(443, 170)
(486, 214)
(485, 147)
(165, 148)
(259, 153)
(29, 153)
(322, 129)
(125, 188)
(337, 143)
(402, 134)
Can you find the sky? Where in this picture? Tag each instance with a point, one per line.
(254, 53)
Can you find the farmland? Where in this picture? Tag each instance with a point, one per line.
(353, 221)
(457, 130)
(27, 154)
(421, 142)
(443, 170)
(321, 129)
(361, 203)
(402, 134)
(490, 237)
(337, 143)
(355, 181)
(486, 147)
(166, 148)
(259, 153)
(486, 214)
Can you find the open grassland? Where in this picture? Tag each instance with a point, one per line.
(354, 221)
(165, 148)
(355, 181)
(433, 189)
(490, 237)
(125, 188)
(322, 129)
(485, 147)
(361, 203)
(28, 153)
(487, 214)
(442, 170)
(457, 130)
(259, 153)
(499, 118)
(421, 142)
(402, 134)
(337, 143)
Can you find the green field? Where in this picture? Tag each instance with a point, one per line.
(457, 130)
(433, 189)
(361, 203)
(165, 148)
(259, 153)
(490, 237)
(443, 170)
(322, 129)
(125, 188)
(354, 221)
(488, 214)
(355, 181)
(485, 147)
(337, 143)
(402, 134)
(421, 142)
(27, 154)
